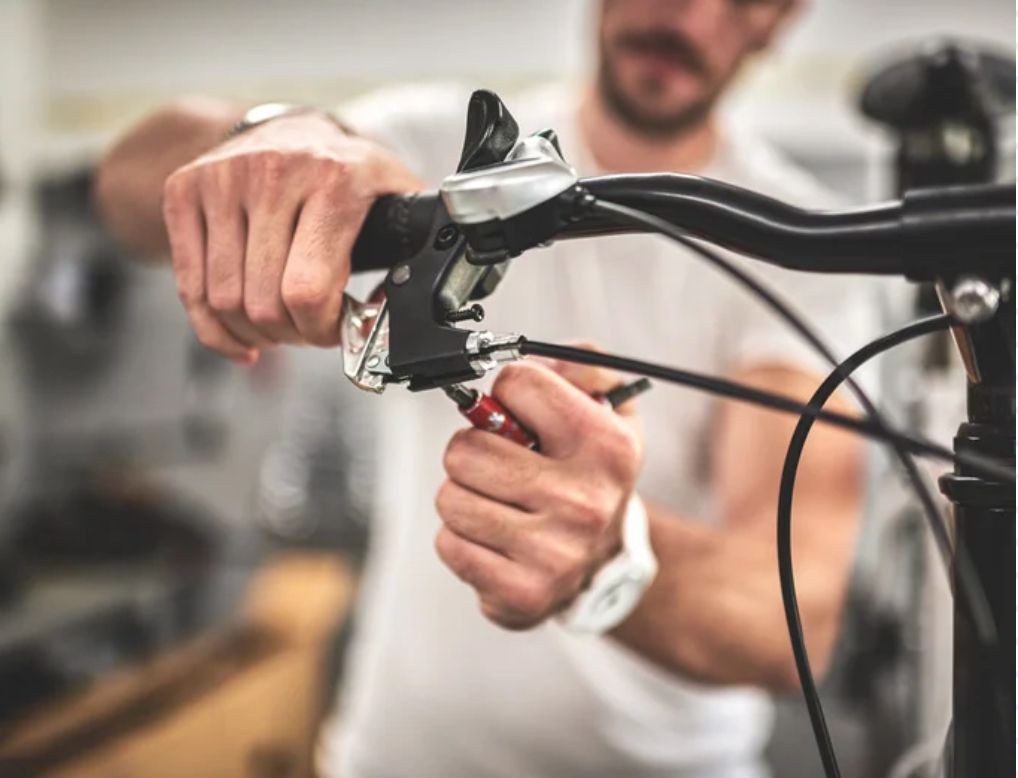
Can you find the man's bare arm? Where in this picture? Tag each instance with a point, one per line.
(131, 175)
(714, 613)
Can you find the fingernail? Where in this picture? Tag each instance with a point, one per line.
(247, 359)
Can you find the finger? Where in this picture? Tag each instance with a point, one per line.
(213, 334)
(225, 246)
(593, 380)
(185, 229)
(497, 468)
(492, 524)
(482, 568)
(317, 268)
(548, 405)
(269, 236)
(509, 593)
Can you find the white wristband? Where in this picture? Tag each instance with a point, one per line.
(618, 586)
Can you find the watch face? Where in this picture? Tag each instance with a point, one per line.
(615, 602)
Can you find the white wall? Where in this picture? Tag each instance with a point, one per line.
(107, 61)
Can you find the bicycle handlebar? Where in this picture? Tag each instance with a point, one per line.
(920, 236)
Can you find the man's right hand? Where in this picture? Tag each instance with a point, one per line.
(261, 228)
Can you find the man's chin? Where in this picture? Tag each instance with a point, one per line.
(652, 120)
(654, 109)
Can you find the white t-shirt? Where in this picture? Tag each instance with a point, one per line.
(435, 690)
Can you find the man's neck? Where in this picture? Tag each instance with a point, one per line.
(617, 148)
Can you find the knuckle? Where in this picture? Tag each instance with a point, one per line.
(218, 181)
(619, 447)
(565, 562)
(176, 191)
(325, 338)
(188, 295)
(207, 338)
(306, 294)
(456, 454)
(587, 510)
(333, 173)
(444, 499)
(445, 546)
(270, 171)
(268, 165)
(531, 600)
(223, 299)
(264, 314)
(495, 614)
(505, 618)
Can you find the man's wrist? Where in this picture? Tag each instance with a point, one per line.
(264, 113)
(617, 588)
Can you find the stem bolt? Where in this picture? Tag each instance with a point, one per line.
(974, 300)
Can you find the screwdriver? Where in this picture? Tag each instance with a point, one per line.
(484, 412)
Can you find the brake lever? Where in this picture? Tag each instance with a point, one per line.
(408, 334)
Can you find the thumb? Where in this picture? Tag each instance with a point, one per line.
(591, 379)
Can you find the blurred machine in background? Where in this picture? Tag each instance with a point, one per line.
(147, 487)
(105, 557)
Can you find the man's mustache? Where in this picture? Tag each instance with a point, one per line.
(664, 43)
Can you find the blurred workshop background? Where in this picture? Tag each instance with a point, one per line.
(173, 581)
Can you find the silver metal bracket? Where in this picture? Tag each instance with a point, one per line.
(365, 336)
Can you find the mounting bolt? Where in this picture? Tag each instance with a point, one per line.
(474, 313)
(974, 300)
(446, 236)
(401, 274)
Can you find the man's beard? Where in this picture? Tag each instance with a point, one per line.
(626, 108)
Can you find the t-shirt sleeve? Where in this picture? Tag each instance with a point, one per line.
(423, 124)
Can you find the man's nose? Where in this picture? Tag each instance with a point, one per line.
(702, 22)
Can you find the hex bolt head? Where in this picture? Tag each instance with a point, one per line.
(974, 300)
(446, 236)
(401, 274)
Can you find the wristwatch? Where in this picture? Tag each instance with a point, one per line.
(618, 586)
(266, 112)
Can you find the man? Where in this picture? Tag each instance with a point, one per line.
(483, 679)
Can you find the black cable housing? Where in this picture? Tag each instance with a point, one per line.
(969, 588)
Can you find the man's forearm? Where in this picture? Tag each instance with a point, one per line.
(714, 612)
(130, 178)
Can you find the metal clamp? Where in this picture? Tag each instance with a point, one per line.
(488, 350)
(533, 173)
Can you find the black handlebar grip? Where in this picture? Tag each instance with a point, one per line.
(394, 230)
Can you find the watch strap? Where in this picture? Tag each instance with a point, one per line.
(617, 588)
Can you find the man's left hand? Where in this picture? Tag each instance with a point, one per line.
(527, 530)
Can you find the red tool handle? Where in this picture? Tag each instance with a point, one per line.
(487, 413)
